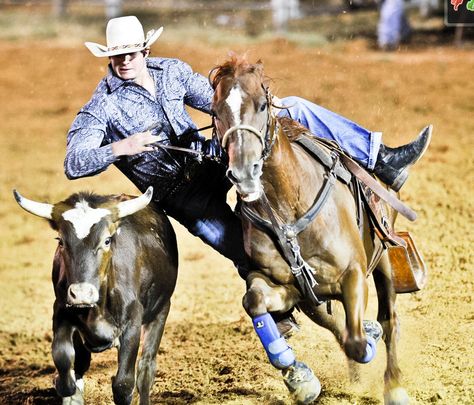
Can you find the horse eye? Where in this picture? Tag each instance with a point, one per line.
(262, 108)
(60, 241)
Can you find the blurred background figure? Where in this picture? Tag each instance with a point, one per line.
(113, 8)
(282, 12)
(59, 8)
(393, 27)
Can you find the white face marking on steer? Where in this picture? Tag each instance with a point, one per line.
(82, 217)
(234, 100)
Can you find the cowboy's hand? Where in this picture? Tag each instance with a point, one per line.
(134, 144)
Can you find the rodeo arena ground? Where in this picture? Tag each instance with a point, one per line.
(210, 353)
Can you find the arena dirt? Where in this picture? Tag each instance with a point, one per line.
(209, 352)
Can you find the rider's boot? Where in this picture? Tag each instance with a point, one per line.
(393, 163)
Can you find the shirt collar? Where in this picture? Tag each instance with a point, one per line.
(114, 82)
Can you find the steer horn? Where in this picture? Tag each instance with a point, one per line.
(43, 210)
(131, 206)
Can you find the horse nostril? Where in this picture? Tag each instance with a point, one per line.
(256, 170)
(231, 177)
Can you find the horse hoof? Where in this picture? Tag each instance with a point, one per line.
(370, 350)
(373, 329)
(302, 383)
(396, 396)
(78, 397)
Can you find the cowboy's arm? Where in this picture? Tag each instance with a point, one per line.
(85, 153)
(198, 90)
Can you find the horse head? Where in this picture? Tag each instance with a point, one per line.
(242, 110)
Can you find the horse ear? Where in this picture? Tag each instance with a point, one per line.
(212, 77)
(258, 67)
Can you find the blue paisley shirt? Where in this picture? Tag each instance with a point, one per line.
(120, 108)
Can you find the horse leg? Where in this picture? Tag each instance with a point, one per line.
(153, 333)
(334, 322)
(357, 345)
(394, 393)
(259, 299)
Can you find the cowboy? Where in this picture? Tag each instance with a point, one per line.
(141, 103)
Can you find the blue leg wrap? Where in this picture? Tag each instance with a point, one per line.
(279, 353)
(370, 350)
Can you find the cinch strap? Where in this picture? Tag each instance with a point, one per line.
(279, 353)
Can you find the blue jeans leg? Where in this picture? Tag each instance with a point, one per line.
(362, 144)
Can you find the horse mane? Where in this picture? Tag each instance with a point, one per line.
(237, 65)
(293, 129)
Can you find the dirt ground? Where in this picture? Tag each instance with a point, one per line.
(209, 352)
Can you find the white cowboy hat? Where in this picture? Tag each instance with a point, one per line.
(124, 35)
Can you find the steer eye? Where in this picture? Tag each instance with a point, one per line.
(108, 241)
(263, 106)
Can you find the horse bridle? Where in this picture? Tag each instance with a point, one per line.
(268, 139)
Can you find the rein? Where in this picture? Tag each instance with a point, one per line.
(200, 155)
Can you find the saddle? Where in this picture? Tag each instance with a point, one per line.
(408, 268)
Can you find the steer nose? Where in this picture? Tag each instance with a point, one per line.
(82, 295)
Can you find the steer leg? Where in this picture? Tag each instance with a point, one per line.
(63, 356)
(124, 381)
(82, 363)
(153, 333)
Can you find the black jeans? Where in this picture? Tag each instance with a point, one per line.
(200, 205)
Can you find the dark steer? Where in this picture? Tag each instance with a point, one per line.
(114, 270)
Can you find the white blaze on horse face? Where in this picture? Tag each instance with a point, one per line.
(234, 100)
(82, 217)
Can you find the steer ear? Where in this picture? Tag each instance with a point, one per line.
(43, 210)
(131, 206)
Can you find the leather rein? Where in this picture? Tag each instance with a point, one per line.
(200, 155)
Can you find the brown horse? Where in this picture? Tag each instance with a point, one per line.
(279, 183)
